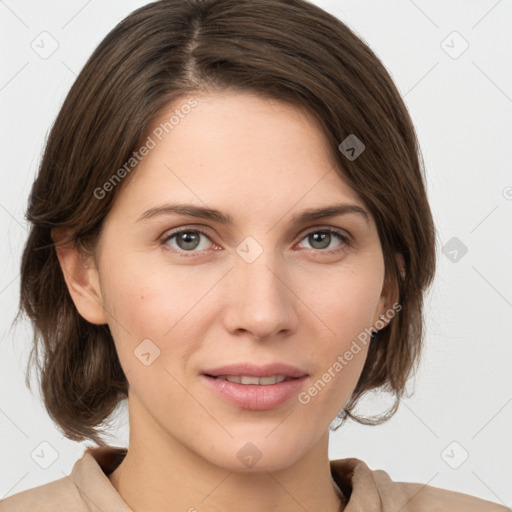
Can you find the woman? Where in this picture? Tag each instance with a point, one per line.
(230, 230)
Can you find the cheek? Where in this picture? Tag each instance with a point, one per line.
(161, 304)
(347, 311)
(150, 297)
(347, 301)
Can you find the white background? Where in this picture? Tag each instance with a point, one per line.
(462, 110)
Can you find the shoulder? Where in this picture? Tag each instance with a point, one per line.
(60, 495)
(374, 489)
(86, 488)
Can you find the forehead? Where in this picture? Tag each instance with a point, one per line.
(250, 154)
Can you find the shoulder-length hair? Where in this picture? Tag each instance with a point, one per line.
(289, 50)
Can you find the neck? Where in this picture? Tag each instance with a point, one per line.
(160, 473)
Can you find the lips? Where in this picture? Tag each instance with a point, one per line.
(254, 387)
(256, 397)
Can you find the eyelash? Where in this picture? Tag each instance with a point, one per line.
(191, 254)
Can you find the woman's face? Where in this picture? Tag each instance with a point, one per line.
(260, 289)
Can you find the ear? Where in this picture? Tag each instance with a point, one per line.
(81, 276)
(389, 297)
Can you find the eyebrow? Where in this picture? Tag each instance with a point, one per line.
(202, 212)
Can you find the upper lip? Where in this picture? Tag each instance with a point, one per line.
(252, 370)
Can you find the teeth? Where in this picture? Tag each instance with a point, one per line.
(263, 381)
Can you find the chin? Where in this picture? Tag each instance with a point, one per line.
(256, 454)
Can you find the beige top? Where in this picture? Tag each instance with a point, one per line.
(88, 489)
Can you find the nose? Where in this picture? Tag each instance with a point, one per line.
(260, 298)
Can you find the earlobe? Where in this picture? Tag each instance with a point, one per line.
(81, 276)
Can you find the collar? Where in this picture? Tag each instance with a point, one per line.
(363, 488)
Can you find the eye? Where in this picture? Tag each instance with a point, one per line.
(321, 240)
(186, 240)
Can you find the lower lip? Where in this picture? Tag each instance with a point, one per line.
(256, 397)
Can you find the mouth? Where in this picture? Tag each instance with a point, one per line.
(256, 387)
(255, 393)
(251, 380)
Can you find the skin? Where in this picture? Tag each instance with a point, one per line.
(262, 162)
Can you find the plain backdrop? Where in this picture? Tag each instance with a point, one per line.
(451, 61)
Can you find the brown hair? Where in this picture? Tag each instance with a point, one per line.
(289, 50)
